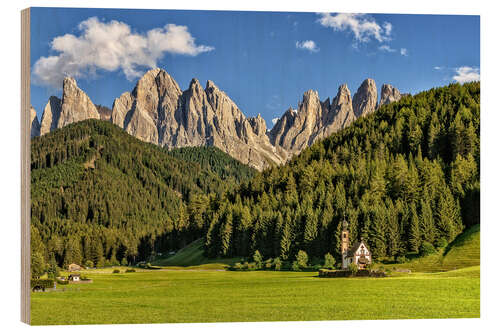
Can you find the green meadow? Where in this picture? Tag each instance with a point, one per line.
(169, 296)
(205, 293)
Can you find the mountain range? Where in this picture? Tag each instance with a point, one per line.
(159, 112)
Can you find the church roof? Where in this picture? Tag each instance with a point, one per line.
(355, 247)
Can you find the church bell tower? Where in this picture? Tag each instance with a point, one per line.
(344, 247)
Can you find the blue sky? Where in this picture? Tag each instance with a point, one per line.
(264, 61)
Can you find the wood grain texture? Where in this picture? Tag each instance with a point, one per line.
(25, 166)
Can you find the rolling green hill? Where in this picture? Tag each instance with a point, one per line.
(100, 195)
(463, 252)
(193, 255)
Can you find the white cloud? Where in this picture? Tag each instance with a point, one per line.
(386, 48)
(111, 46)
(438, 68)
(387, 28)
(309, 45)
(404, 52)
(362, 26)
(466, 74)
(275, 120)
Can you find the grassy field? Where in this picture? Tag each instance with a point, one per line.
(215, 296)
(197, 289)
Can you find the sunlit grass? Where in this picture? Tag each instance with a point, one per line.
(210, 296)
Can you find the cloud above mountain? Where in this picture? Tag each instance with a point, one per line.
(363, 27)
(466, 74)
(111, 46)
(308, 45)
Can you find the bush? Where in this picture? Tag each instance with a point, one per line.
(302, 259)
(317, 267)
(115, 271)
(89, 263)
(353, 268)
(426, 249)
(401, 259)
(62, 282)
(442, 243)
(277, 264)
(252, 266)
(268, 265)
(84, 278)
(130, 270)
(296, 266)
(329, 261)
(257, 258)
(238, 266)
(124, 262)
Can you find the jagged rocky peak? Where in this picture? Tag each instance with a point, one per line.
(76, 105)
(157, 111)
(343, 94)
(365, 99)
(104, 112)
(389, 94)
(258, 125)
(50, 116)
(339, 115)
(34, 124)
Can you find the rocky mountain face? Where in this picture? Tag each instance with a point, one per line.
(74, 106)
(51, 114)
(389, 94)
(34, 124)
(104, 112)
(159, 112)
(365, 99)
(312, 120)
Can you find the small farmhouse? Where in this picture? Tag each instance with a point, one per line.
(74, 267)
(358, 253)
(74, 278)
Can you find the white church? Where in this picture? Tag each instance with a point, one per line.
(358, 253)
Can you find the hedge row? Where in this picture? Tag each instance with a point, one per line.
(360, 273)
(42, 284)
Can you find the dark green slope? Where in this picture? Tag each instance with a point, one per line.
(404, 176)
(99, 194)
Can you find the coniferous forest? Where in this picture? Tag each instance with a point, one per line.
(100, 196)
(403, 176)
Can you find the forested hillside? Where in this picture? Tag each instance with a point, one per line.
(102, 196)
(407, 174)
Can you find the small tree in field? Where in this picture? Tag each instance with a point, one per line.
(124, 262)
(426, 249)
(37, 265)
(302, 259)
(257, 258)
(295, 266)
(353, 268)
(277, 264)
(329, 261)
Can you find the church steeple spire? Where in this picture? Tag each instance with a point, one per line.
(345, 238)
